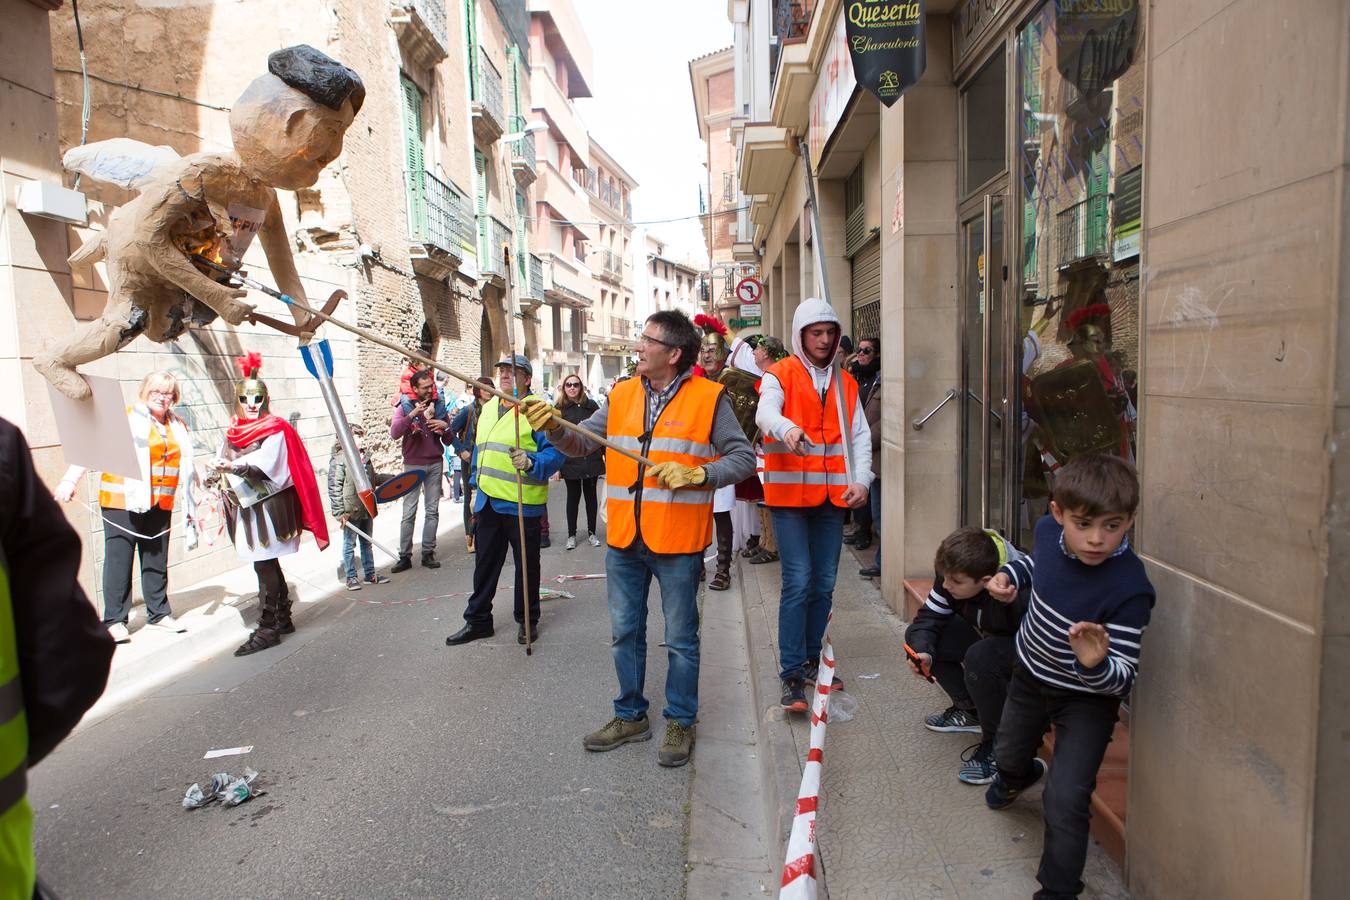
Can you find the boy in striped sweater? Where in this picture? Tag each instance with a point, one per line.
(1077, 654)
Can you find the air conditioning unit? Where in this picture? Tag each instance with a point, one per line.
(52, 201)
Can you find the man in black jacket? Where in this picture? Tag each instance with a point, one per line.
(62, 649)
(965, 638)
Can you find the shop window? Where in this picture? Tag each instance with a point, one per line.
(1080, 170)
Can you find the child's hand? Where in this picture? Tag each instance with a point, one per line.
(927, 659)
(1089, 642)
(1001, 588)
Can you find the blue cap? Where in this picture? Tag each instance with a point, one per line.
(517, 362)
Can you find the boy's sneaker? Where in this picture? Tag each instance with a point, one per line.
(794, 695)
(571, 542)
(677, 746)
(377, 579)
(119, 633)
(977, 764)
(593, 540)
(999, 795)
(353, 584)
(953, 720)
(812, 668)
(166, 623)
(616, 733)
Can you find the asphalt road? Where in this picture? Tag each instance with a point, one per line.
(394, 766)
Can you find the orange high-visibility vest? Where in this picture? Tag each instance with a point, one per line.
(165, 457)
(668, 521)
(820, 475)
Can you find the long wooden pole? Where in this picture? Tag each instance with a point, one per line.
(524, 567)
(414, 355)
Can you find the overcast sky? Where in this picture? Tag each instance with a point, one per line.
(642, 108)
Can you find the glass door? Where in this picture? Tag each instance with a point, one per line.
(985, 403)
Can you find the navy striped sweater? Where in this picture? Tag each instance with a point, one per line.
(1116, 594)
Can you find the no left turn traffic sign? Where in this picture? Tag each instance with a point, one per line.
(749, 290)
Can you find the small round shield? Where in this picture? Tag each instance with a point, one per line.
(399, 485)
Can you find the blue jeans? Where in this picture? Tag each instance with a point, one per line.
(874, 498)
(349, 541)
(809, 539)
(630, 579)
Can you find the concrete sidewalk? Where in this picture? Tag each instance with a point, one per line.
(894, 821)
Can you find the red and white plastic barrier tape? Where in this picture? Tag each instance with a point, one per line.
(799, 869)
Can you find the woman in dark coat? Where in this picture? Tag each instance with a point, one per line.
(581, 473)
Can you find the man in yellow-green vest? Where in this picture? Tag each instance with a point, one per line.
(505, 446)
(54, 652)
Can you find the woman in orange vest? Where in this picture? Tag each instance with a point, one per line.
(660, 518)
(807, 485)
(137, 512)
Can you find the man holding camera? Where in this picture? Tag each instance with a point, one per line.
(423, 424)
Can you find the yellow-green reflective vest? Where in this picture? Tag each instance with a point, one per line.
(496, 440)
(18, 869)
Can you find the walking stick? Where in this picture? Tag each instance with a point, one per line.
(404, 351)
(818, 248)
(524, 568)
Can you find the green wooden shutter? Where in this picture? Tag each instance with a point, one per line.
(485, 256)
(525, 289)
(414, 156)
(471, 47)
(1099, 176)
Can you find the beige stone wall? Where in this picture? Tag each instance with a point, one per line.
(1238, 740)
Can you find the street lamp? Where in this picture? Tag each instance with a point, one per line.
(531, 128)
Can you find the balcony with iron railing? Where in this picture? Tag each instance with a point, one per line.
(536, 278)
(488, 102)
(421, 29)
(492, 235)
(607, 265)
(524, 163)
(620, 329)
(441, 225)
(1080, 231)
(791, 24)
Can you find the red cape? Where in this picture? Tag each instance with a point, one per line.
(243, 432)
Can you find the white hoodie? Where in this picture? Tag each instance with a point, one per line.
(770, 416)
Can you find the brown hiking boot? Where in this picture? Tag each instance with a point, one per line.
(677, 746)
(616, 733)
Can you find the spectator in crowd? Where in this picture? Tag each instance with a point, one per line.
(346, 507)
(1077, 654)
(807, 485)
(581, 473)
(463, 435)
(867, 370)
(137, 512)
(767, 351)
(660, 519)
(54, 654)
(423, 425)
(964, 638)
(512, 464)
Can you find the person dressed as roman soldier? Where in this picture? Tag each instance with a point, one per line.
(712, 360)
(271, 496)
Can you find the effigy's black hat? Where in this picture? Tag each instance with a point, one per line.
(318, 76)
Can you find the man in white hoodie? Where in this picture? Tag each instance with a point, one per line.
(807, 485)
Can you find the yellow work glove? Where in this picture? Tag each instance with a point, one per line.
(520, 459)
(540, 415)
(677, 475)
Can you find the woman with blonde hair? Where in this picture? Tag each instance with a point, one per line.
(581, 473)
(137, 513)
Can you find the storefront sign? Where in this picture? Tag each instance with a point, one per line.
(1096, 41)
(745, 323)
(751, 310)
(886, 45)
(973, 19)
(834, 89)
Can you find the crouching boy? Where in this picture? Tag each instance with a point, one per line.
(964, 637)
(1077, 654)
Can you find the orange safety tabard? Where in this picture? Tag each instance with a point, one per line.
(820, 475)
(668, 521)
(165, 457)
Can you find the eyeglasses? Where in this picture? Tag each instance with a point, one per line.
(572, 384)
(163, 395)
(649, 339)
(866, 351)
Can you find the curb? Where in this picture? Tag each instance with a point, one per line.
(781, 762)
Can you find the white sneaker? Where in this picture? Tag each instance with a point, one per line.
(572, 542)
(594, 541)
(119, 633)
(168, 623)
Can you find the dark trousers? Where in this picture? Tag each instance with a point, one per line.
(1083, 725)
(576, 487)
(974, 671)
(496, 533)
(120, 548)
(468, 499)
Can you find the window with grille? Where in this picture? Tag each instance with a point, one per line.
(855, 212)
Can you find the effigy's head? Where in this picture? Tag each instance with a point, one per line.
(289, 123)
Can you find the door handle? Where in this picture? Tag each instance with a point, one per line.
(920, 422)
(976, 397)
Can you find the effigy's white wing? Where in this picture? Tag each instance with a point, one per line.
(123, 162)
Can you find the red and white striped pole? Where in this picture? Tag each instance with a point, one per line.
(799, 869)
